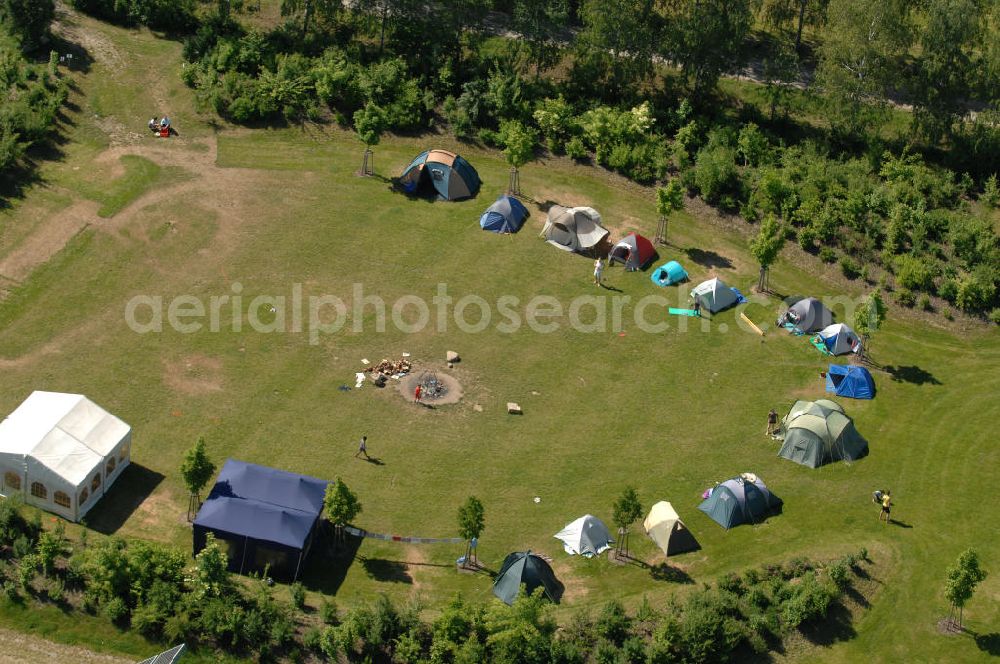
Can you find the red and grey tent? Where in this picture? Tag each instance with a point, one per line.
(633, 251)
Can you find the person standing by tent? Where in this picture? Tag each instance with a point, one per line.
(362, 448)
(598, 271)
(772, 423)
(886, 506)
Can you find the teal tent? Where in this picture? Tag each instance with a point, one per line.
(527, 569)
(451, 176)
(743, 499)
(669, 274)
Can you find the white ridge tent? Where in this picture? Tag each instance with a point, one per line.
(61, 452)
(587, 536)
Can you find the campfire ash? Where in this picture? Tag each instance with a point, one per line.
(431, 387)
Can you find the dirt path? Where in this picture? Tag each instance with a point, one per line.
(19, 648)
(48, 239)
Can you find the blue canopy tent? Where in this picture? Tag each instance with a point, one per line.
(506, 215)
(669, 274)
(451, 176)
(263, 517)
(850, 381)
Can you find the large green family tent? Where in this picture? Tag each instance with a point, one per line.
(527, 569)
(807, 315)
(633, 251)
(818, 432)
(667, 530)
(587, 536)
(840, 339)
(743, 499)
(506, 215)
(574, 229)
(451, 176)
(714, 295)
(850, 381)
(669, 274)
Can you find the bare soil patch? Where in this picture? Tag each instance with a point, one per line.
(47, 240)
(18, 648)
(194, 375)
(408, 385)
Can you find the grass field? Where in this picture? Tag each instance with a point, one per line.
(669, 413)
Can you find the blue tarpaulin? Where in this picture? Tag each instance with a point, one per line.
(265, 517)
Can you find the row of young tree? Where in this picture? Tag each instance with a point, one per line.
(32, 92)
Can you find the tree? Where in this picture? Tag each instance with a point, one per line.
(669, 199)
(340, 506)
(868, 318)
(945, 70)
(706, 38)
(308, 9)
(963, 577)
(781, 13)
(625, 32)
(210, 577)
(751, 144)
(519, 147)
(626, 511)
(369, 123)
(862, 43)
(28, 20)
(196, 470)
(539, 22)
(765, 247)
(471, 520)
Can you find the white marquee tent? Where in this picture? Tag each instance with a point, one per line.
(61, 452)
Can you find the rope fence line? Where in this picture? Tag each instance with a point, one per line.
(357, 532)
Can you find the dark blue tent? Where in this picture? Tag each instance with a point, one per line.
(850, 381)
(506, 215)
(451, 176)
(262, 517)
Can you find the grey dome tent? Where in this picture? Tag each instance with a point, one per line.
(840, 339)
(574, 229)
(714, 295)
(807, 315)
(525, 568)
(450, 175)
(818, 432)
(506, 215)
(743, 499)
(587, 536)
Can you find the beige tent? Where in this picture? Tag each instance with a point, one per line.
(574, 229)
(61, 452)
(667, 530)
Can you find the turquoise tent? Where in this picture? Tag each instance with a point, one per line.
(506, 215)
(850, 381)
(451, 176)
(669, 274)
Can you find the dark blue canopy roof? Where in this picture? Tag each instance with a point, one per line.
(263, 503)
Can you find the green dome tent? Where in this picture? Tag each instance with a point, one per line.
(524, 567)
(818, 432)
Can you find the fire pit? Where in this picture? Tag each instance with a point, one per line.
(435, 388)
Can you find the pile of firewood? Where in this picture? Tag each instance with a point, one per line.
(388, 368)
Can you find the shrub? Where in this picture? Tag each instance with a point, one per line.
(576, 149)
(839, 574)
(298, 595)
(715, 173)
(116, 609)
(613, 623)
(991, 191)
(925, 303)
(328, 611)
(995, 316)
(849, 267)
(828, 255)
(913, 273)
(905, 297)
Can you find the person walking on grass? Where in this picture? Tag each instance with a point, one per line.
(362, 448)
(598, 272)
(772, 423)
(886, 506)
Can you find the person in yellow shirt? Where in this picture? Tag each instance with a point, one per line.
(886, 506)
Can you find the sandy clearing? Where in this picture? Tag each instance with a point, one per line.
(48, 239)
(19, 648)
